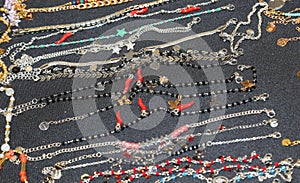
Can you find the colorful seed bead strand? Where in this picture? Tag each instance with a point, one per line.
(169, 167)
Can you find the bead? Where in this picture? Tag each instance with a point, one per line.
(5, 147)
(8, 117)
(9, 92)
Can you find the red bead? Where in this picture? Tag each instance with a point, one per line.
(131, 178)
(146, 168)
(112, 172)
(234, 160)
(222, 159)
(86, 1)
(139, 12)
(257, 155)
(185, 106)
(276, 164)
(170, 170)
(245, 160)
(100, 173)
(212, 171)
(189, 9)
(212, 162)
(178, 160)
(264, 168)
(167, 162)
(224, 167)
(144, 174)
(200, 161)
(157, 165)
(189, 160)
(23, 158)
(78, 1)
(118, 176)
(134, 170)
(157, 173)
(191, 138)
(252, 168)
(221, 127)
(238, 166)
(123, 172)
(207, 165)
(183, 169)
(252, 157)
(163, 168)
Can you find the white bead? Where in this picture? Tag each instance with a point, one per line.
(7, 132)
(1, 156)
(8, 117)
(9, 92)
(5, 147)
(6, 139)
(7, 126)
(9, 109)
(12, 98)
(1, 89)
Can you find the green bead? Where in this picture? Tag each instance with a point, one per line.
(208, 11)
(218, 9)
(92, 39)
(73, 42)
(32, 46)
(81, 41)
(63, 44)
(112, 36)
(42, 46)
(53, 44)
(82, 1)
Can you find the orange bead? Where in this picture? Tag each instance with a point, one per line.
(23, 158)
(22, 173)
(23, 178)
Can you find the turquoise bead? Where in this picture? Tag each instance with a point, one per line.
(184, 174)
(162, 180)
(249, 176)
(92, 39)
(272, 171)
(238, 179)
(173, 177)
(42, 46)
(283, 168)
(195, 175)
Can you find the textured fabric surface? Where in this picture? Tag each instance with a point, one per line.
(276, 71)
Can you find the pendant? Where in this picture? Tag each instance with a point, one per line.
(282, 42)
(271, 27)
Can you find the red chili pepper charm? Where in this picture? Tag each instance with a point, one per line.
(185, 106)
(139, 12)
(140, 75)
(127, 84)
(142, 105)
(118, 117)
(189, 9)
(64, 37)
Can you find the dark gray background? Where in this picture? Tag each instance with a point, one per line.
(276, 70)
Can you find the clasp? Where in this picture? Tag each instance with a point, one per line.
(270, 113)
(242, 67)
(263, 97)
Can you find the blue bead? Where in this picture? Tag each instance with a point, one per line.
(184, 174)
(195, 175)
(249, 176)
(162, 180)
(272, 171)
(238, 179)
(73, 2)
(283, 168)
(261, 173)
(173, 177)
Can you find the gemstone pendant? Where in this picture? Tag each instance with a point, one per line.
(276, 4)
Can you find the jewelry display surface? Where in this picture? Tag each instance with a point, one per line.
(181, 91)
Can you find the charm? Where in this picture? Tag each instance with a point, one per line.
(124, 100)
(119, 122)
(64, 37)
(143, 108)
(174, 104)
(163, 80)
(2, 51)
(140, 77)
(247, 85)
(116, 49)
(271, 27)
(130, 46)
(220, 179)
(282, 42)
(44, 126)
(121, 32)
(129, 55)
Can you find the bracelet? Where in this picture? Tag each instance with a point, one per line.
(5, 37)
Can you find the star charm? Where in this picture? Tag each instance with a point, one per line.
(247, 85)
(174, 104)
(116, 49)
(129, 55)
(130, 46)
(121, 32)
